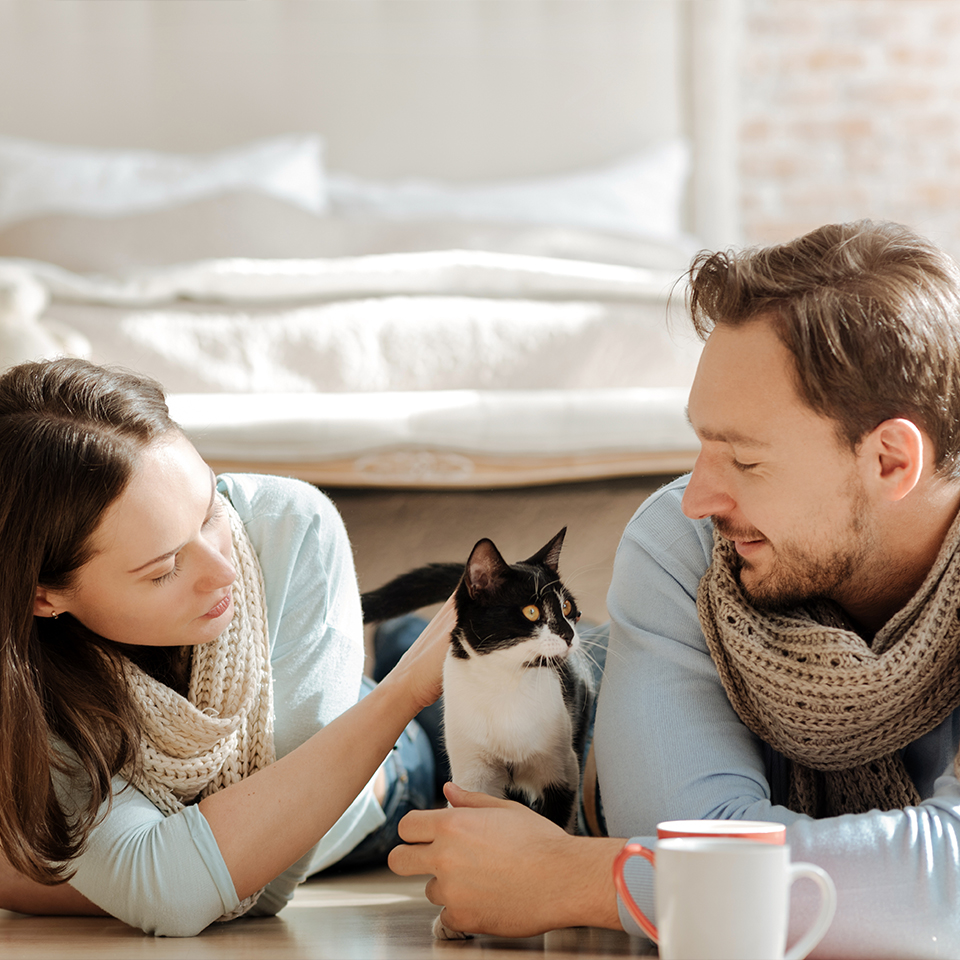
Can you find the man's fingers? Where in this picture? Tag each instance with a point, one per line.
(430, 892)
(458, 797)
(409, 861)
(419, 826)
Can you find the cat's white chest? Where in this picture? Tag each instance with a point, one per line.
(494, 704)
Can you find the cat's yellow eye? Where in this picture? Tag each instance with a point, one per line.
(532, 612)
(567, 608)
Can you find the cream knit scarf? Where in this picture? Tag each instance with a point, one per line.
(223, 730)
(839, 709)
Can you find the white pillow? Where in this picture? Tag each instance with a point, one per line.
(641, 195)
(24, 333)
(44, 178)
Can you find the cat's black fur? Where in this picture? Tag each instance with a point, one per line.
(491, 596)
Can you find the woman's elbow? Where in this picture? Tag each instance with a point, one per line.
(23, 895)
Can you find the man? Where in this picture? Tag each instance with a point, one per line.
(785, 637)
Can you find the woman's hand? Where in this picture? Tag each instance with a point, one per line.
(421, 667)
(502, 869)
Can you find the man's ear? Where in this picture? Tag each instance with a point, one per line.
(893, 454)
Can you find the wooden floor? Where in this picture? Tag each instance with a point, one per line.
(372, 915)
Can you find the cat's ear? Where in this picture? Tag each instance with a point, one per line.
(549, 556)
(485, 569)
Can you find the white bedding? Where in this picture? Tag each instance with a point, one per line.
(447, 367)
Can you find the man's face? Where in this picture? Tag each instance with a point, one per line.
(775, 477)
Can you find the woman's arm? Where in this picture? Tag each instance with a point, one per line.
(23, 895)
(269, 820)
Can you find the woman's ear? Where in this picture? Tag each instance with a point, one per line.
(43, 604)
(893, 454)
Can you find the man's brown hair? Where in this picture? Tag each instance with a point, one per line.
(870, 312)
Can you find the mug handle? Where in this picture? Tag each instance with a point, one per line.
(828, 906)
(636, 850)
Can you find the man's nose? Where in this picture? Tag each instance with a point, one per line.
(706, 495)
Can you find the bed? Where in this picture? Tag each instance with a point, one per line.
(384, 243)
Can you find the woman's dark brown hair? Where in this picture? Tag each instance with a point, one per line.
(70, 436)
(870, 312)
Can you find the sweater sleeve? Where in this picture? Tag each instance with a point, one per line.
(166, 874)
(670, 746)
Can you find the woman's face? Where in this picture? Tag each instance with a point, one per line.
(161, 572)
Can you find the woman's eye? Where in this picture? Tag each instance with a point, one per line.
(744, 467)
(532, 612)
(215, 515)
(159, 581)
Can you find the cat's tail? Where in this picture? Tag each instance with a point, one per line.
(411, 591)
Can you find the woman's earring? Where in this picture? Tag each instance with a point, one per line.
(55, 615)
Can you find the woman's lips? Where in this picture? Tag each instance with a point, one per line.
(220, 609)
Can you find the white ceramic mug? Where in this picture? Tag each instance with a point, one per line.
(723, 898)
(762, 831)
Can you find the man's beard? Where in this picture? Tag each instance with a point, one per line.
(797, 578)
(797, 575)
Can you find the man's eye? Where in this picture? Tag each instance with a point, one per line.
(744, 467)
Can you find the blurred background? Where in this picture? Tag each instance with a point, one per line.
(476, 144)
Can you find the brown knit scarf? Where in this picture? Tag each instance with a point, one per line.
(839, 709)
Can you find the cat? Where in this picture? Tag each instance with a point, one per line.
(517, 684)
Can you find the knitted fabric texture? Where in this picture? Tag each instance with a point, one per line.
(223, 730)
(838, 708)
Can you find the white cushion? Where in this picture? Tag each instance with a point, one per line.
(44, 178)
(641, 195)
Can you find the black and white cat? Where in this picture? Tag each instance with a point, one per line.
(517, 685)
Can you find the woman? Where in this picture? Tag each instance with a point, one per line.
(180, 667)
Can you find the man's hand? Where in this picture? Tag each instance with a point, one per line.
(499, 868)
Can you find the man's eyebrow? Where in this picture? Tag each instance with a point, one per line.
(176, 550)
(725, 436)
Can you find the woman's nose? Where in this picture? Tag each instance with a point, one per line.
(705, 495)
(218, 571)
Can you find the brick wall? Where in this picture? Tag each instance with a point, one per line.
(850, 109)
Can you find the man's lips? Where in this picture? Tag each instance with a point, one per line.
(747, 548)
(745, 542)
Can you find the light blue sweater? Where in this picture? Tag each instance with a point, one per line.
(670, 746)
(166, 874)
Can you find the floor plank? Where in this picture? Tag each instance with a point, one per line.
(372, 915)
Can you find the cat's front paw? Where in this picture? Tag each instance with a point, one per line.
(440, 932)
